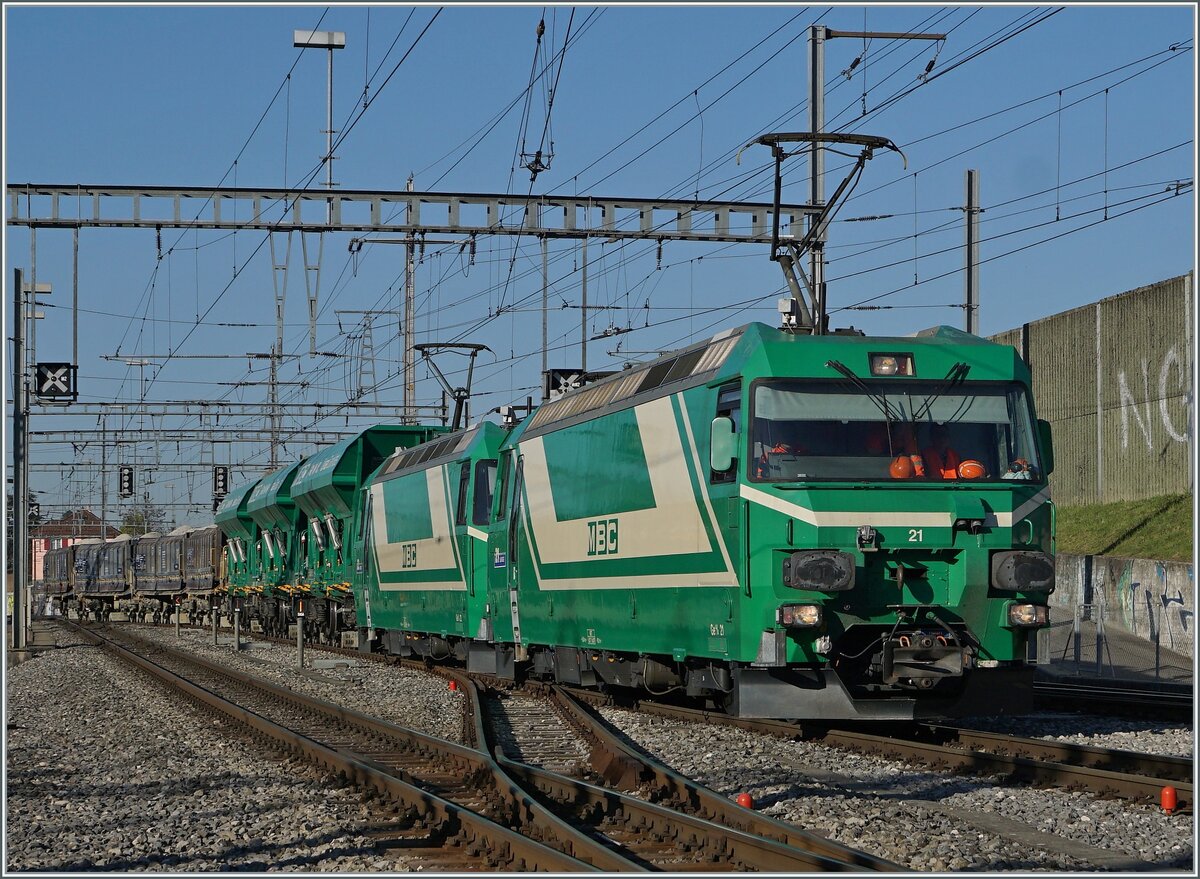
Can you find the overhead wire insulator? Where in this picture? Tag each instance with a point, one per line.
(932, 61)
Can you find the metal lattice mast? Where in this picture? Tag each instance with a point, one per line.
(410, 321)
(816, 124)
(366, 362)
(971, 275)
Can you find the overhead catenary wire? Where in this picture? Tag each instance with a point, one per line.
(693, 184)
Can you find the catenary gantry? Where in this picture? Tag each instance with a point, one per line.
(68, 206)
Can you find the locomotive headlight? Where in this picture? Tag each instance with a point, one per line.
(799, 616)
(820, 569)
(891, 364)
(1028, 616)
(1023, 570)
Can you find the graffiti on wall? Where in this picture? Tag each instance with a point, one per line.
(1152, 602)
(1172, 382)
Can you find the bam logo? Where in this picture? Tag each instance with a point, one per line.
(602, 537)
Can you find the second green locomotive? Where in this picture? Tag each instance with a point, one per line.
(781, 525)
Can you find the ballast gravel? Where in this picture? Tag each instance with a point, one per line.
(398, 695)
(920, 819)
(108, 772)
(267, 814)
(1126, 734)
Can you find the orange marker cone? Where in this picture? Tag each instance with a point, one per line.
(745, 801)
(1169, 799)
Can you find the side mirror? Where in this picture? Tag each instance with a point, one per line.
(1047, 443)
(722, 444)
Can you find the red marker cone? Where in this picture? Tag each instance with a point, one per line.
(1169, 799)
(453, 686)
(745, 801)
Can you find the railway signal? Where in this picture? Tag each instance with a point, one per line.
(55, 382)
(125, 482)
(556, 382)
(220, 482)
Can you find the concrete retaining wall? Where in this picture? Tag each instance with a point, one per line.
(1151, 599)
(1114, 379)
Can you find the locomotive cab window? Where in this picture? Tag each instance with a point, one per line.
(464, 481)
(903, 430)
(502, 494)
(515, 505)
(485, 485)
(729, 405)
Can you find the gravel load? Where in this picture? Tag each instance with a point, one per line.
(109, 772)
(398, 695)
(1144, 736)
(920, 819)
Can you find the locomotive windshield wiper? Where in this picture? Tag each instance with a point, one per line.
(877, 397)
(956, 376)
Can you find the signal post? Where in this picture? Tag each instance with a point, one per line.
(20, 501)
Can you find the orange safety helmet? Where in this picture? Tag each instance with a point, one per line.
(971, 469)
(902, 467)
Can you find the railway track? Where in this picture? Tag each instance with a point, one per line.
(665, 813)
(1103, 771)
(1168, 700)
(452, 812)
(529, 733)
(466, 808)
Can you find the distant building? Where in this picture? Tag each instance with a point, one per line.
(73, 527)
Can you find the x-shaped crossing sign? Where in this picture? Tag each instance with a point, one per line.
(55, 381)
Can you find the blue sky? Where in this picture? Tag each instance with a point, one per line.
(651, 102)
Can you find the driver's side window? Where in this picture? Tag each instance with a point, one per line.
(729, 405)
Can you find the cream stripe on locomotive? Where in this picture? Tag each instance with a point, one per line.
(675, 526)
(852, 519)
(1005, 520)
(432, 554)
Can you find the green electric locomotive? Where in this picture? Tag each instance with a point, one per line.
(780, 525)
